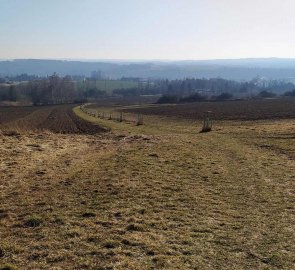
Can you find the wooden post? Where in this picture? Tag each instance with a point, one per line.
(121, 117)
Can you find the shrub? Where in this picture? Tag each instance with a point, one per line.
(290, 93)
(266, 94)
(33, 221)
(167, 99)
(224, 96)
(193, 98)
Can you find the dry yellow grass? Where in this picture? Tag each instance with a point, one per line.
(158, 196)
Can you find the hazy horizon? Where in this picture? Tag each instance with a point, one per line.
(149, 60)
(154, 30)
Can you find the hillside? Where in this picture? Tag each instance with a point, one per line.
(243, 69)
(156, 196)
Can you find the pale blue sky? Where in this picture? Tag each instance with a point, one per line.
(146, 29)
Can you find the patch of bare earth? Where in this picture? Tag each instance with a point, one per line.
(57, 119)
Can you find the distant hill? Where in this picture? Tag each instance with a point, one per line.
(237, 69)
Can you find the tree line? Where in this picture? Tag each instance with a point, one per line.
(50, 90)
(55, 89)
(212, 87)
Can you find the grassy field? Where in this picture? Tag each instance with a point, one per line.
(157, 196)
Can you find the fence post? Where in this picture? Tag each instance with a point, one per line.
(121, 117)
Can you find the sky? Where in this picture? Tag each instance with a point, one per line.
(147, 29)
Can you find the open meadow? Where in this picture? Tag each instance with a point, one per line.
(82, 192)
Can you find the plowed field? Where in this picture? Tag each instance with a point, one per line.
(57, 119)
(225, 110)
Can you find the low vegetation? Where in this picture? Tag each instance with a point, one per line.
(33, 221)
(290, 93)
(266, 94)
(196, 97)
(156, 196)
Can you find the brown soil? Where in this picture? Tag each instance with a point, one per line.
(226, 110)
(57, 119)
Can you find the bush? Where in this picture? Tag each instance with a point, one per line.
(193, 98)
(167, 99)
(290, 93)
(224, 96)
(33, 221)
(266, 94)
(94, 93)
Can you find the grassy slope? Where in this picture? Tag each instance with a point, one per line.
(223, 199)
(159, 196)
